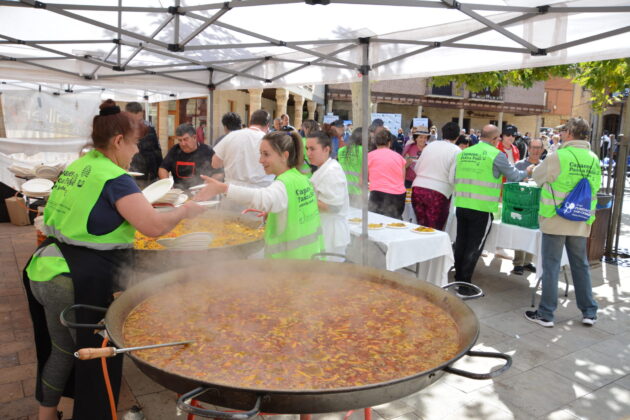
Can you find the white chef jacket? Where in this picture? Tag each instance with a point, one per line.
(331, 188)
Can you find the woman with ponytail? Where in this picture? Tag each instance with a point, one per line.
(90, 222)
(293, 225)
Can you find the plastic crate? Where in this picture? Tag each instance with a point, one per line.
(526, 217)
(521, 195)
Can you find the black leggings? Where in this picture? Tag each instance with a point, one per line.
(55, 295)
(391, 205)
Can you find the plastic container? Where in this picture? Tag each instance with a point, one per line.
(526, 217)
(519, 194)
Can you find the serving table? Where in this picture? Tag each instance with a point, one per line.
(430, 253)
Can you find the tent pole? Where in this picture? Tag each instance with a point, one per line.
(365, 111)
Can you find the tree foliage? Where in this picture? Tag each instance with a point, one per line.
(604, 79)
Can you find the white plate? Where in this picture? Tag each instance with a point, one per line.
(181, 199)
(157, 190)
(135, 173)
(396, 227)
(423, 233)
(37, 187)
(213, 203)
(196, 187)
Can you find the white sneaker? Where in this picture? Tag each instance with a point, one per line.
(589, 321)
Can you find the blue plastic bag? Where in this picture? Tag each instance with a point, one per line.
(577, 205)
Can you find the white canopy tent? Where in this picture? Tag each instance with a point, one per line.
(198, 46)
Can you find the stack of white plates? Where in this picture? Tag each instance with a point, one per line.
(22, 171)
(48, 172)
(173, 196)
(37, 187)
(190, 241)
(156, 190)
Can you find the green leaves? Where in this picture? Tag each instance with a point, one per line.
(602, 78)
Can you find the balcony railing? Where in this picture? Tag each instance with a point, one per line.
(487, 94)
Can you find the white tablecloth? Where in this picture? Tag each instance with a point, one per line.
(507, 236)
(402, 248)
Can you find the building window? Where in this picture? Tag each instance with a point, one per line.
(446, 90)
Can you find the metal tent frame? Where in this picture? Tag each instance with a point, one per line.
(270, 60)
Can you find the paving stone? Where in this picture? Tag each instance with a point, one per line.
(611, 402)
(8, 360)
(11, 391)
(590, 367)
(160, 406)
(530, 391)
(393, 409)
(15, 409)
(17, 373)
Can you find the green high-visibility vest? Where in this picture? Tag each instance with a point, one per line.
(305, 169)
(47, 262)
(351, 164)
(72, 199)
(575, 164)
(67, 211)
(476, 187)
(300, 235)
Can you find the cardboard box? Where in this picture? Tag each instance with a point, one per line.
(18, 212)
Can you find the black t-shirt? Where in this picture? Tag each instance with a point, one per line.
(186, 168)
(104, 218)
(149, 156)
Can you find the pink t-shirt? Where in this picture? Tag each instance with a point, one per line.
(385, 171)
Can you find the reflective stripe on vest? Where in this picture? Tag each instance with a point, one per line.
(294, 244)
(74, 196)
(52, 231)
(476, 187)
(299, 237)
(575, 163)
(47, 263)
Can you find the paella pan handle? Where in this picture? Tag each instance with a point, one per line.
(477, 289)
(489, 375)
(205, 412)
(70, 324)
(323, 255)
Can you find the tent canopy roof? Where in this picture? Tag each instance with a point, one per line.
(265, 43)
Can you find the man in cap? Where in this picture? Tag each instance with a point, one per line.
(506, 145)
(478, 173)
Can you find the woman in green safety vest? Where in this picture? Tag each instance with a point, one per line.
(351, 158)
(293, 225)
(90, 221)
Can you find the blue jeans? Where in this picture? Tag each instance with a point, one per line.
(552, 246)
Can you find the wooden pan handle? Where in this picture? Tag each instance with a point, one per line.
(95, 353)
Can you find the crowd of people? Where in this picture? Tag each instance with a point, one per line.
(303, 183)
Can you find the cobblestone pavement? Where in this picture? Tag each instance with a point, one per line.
(566, 372)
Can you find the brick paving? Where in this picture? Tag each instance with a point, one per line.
(589, 367)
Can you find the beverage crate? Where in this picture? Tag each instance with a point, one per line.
(526, 217)
(521, 195)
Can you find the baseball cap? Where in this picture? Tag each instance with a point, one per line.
(561, 127)
(510, 130)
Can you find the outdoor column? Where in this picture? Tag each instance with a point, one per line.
(500, 121)
(282, 97)
(162, 126)
(3, 132)
(460, 120)
(255, 99)
(320, 113)
(329, 105)
(299, 110)
(311, 106)
(357, 99)
(419, 111)
(536, 134)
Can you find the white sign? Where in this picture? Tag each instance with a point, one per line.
(330, 118)
(421, 123)
(392, 121)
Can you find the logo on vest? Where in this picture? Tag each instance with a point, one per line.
(85, 173)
